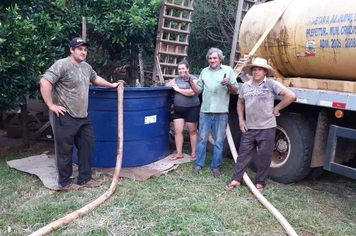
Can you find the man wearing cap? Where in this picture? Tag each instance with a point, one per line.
(216, 83)
(256, 98)
(65, 88)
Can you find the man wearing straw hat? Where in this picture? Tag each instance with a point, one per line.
(256, 99)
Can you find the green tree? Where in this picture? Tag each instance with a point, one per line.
(33, 34)
(213, 26)
(118, 28)
(30, 40)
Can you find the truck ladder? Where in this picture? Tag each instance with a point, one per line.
(246, 58)
(243, 7)
(172, 38)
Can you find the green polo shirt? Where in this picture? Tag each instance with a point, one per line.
(215, 96)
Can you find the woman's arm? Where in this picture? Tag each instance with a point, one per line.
(185, 92)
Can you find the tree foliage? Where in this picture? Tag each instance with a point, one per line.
(118, 28)
(33, 34)
(29, 41)
(213, 26)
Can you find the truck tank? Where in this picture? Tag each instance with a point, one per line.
(313, 38)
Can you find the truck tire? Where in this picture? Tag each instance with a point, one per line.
(293, 148)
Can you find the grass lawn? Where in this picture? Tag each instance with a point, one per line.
(178, 204)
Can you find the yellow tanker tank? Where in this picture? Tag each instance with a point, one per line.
(313, 38)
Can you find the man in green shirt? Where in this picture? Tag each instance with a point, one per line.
(65, 88)
(216, 82)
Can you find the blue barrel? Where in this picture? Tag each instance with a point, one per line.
(146, 125)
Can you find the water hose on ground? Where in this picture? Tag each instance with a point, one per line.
(76, 214)
(288, 228)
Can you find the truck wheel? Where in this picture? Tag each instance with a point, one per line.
(293, 149)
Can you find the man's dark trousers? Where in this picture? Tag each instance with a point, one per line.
(250, 140)
(69, 132)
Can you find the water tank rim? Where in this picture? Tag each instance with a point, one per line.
(97, 88)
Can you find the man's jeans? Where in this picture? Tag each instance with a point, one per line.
(217, 122)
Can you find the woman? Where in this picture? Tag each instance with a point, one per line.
(186, 110)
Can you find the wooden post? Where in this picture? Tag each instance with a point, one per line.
(84, 28)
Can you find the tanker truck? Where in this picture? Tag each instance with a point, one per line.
(312, 49)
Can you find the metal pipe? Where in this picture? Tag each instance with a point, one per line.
(236, 33)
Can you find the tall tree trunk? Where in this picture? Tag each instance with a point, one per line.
(140, 62)
(2, 126)
(134, 65)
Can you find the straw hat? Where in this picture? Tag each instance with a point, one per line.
(258, 62)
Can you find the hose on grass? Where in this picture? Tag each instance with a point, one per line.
(76, 214)
(288, 228)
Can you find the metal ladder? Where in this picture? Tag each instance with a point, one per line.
(239, 61)
(243, 8)
(172, 38)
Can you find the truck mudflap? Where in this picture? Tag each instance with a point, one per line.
(321, 135)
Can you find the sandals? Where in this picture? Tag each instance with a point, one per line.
(231, 186)
(192, 158)
(260, 188)
(235, 184)
(176, 158)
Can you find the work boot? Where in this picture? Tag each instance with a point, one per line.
(91, 184)
(196, 170)
(69, 187)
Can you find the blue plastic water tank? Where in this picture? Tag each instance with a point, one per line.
(146, 125)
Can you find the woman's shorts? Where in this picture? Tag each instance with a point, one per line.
(189, 114)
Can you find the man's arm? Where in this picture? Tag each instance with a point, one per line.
(230, 82)
(232, 88)
(46, 92)
(288, 98)
(194, 87)
(103, 83)
(241, 112)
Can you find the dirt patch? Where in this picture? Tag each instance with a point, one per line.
(15, 145)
